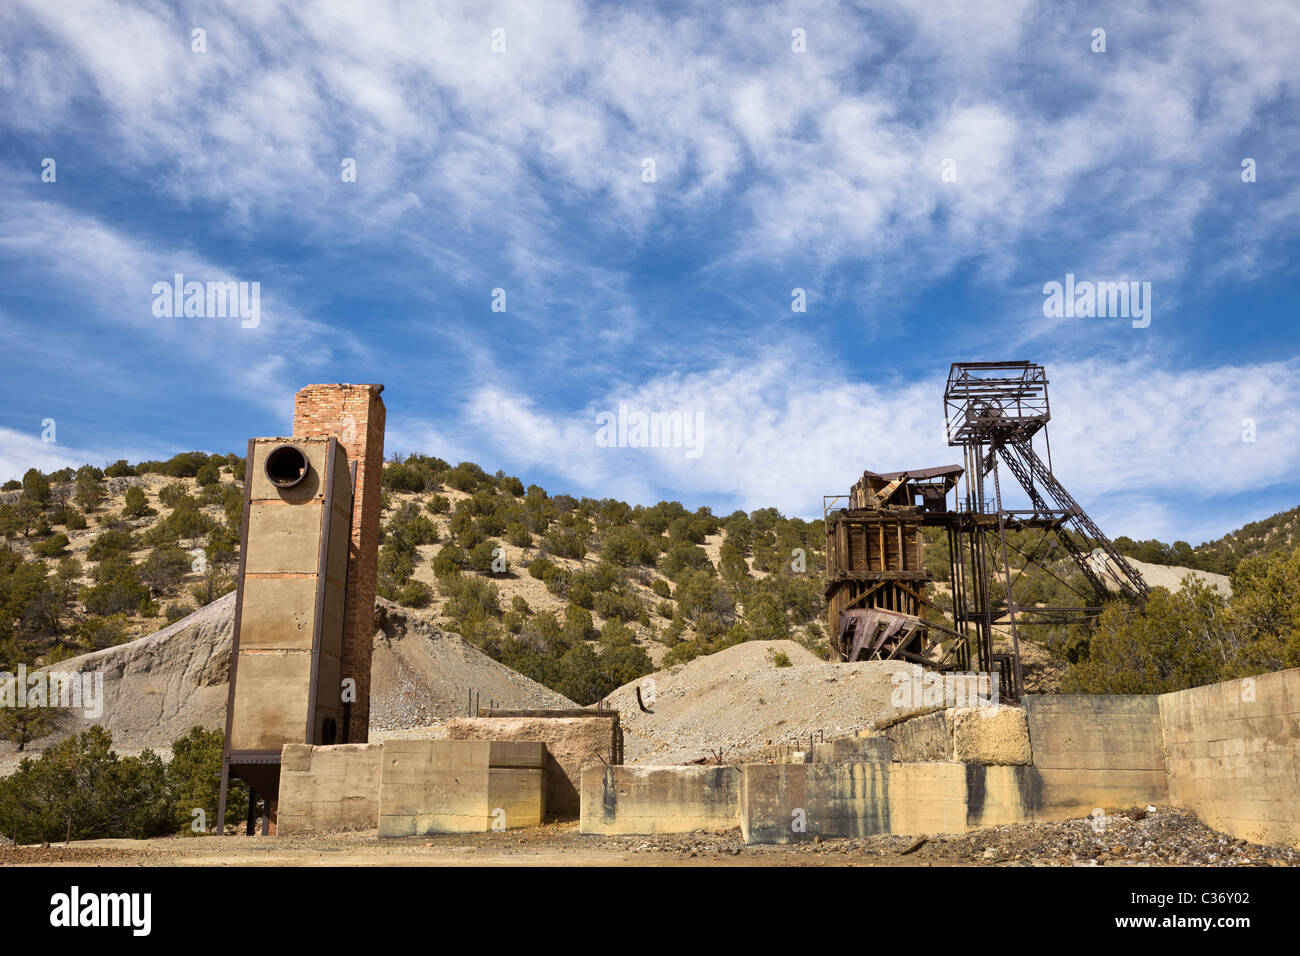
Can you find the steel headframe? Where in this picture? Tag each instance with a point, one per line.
(993, 411)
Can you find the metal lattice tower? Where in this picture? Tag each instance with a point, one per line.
(994, 411)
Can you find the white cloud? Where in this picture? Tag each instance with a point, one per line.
(829, 155)
(1147, 448)
(20, 451)
(111, 273)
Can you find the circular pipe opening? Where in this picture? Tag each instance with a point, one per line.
(286, 466)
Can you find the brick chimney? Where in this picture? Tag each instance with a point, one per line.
(354, 414)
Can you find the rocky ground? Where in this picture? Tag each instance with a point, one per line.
(1157, 836)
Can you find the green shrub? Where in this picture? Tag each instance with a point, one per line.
(194, 780)
(100, 632)
(136, 505)
(616, 632)
(448, 561)
(681, 653)
(580, 594)
(164, 567)
(681, 558)
(172, 493)
(625, 606)
(81, 785)
(488, 557)
(175, 611)
(51, 547)
(415, 594)
(36, 487)
(117, 588)
(542, 569)
(578, 625)
(565, 544)
(111, 542)
(89, 493)
(778, 658)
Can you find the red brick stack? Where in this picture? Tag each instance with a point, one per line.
(354, 414)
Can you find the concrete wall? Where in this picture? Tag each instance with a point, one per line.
(794, 802)
(460, 786)
(660, 799)
(1234, 755)
(328, 788)
(1094, 751)
(853, 750)
(979, 735)
(573, 746)
(789, 803)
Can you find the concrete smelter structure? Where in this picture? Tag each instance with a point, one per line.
(304, 607)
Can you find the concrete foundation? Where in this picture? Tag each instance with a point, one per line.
(574, 745)
(1229, 752)
(660, 799)
(460, 786)
(329, 788)
(1234, 755)
(1095, 751)
(993, 736)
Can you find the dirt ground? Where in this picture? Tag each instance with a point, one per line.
(1154, 837)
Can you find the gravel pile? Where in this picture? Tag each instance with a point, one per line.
(731, 704)
(422, 676)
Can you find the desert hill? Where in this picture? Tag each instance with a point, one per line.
(159, 686)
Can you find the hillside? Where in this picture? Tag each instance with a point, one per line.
(159, 686)
(579, 595)
(1269, 536)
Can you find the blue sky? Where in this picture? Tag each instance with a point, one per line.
(920, 170)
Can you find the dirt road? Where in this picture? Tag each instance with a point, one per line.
(1163, 836)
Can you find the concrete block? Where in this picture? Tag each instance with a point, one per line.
(328, 789)
(572, 746)
(270, 704)
(666, 799)
(460, 786)
(926, 738)
(927, 798)
(790, 803)
(283, 539)
(997, 795)
(990, 735)
(854, 750)
(1233, 755)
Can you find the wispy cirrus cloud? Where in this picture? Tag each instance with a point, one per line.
(523, 168)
